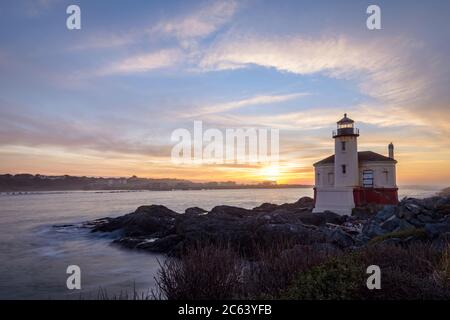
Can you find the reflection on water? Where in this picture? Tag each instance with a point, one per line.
(34, 255)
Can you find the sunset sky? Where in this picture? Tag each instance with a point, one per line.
(104, 100)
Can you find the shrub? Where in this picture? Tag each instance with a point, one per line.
(406, 273)
(417, 233)
(275, 267)
(339, 278)
(202, 273)
(287, 270)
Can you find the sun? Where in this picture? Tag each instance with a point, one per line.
(271, 173)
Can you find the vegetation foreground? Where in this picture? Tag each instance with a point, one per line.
(287, 252)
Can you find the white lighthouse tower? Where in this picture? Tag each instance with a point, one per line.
(346, 154)
(350, 178)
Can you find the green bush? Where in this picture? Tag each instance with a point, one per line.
(417, 233)
(340, 278)
(417, 272)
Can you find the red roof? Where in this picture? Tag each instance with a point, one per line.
(362, 156)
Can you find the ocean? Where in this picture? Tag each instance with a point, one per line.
(34, 255)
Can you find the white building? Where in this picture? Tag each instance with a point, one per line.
(350, 178)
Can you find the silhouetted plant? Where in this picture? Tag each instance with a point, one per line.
(202, 273)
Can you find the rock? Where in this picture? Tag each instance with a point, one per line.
(266, 207)
(435, 229)
(270, 233)
(305, 202)
(404, 225)
(321, 218)
(195, 211)
(445, 192)
(391, 224)
(443, 210)
(405, 213)
(366, 212)
(163, 245)
(159, 229)
(145, 220)
(424, 218)
(413, 208)
(372, 229)
(387, 212)
(340, 238)
(229, 211)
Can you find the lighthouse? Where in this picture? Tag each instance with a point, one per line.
(346, 153)
(351, 178)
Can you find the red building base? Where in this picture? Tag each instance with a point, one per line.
(364, 196)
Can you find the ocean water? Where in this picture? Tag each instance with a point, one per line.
(34, 255)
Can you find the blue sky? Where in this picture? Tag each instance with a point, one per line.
(104, 100)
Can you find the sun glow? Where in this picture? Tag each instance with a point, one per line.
(271, 173)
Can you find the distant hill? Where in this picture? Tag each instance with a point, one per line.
(29, 182)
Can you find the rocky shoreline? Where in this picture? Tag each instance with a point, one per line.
(156, 228)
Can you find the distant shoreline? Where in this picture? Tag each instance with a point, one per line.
(26, 183)
(34, 183)
(243, 187)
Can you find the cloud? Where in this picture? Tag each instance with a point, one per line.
(145, 62)
(105, 40)
(200, 23)
(252, 101)
(325, 117)
(186, 28)
(81, 135)
(404, 78)
(385, 69)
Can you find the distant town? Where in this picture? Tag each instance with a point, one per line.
(30, 182)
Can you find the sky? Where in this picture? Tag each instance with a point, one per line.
(105, 99)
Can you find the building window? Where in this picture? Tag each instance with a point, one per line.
(368, 178)
(344, 169)
(343, 145)
(330, 178)
(318, 178)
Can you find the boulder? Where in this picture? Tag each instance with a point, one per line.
(340, 238)
(266, 207)
(443, 209)
(321, 218)
(162, 245)
(385, 213)
(372, 229)
(159, 229)
(145, 220)
(433, 230)
(195, 211)
(229, 211)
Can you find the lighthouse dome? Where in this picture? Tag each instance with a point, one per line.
(345, 120)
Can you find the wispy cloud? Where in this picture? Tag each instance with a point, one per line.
(199, 23)
(143, 63)
(384, 68)
(318, 118)
(187, 28)
(252, 101)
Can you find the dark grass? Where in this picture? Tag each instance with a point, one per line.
(287, 270)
